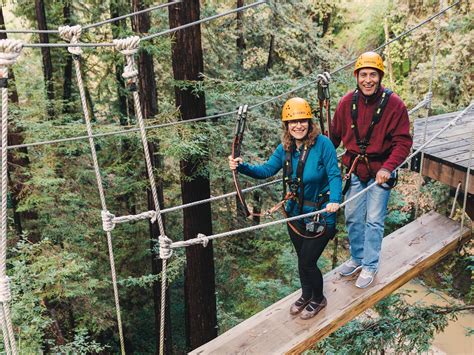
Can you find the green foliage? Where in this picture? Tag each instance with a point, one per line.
(398, 328)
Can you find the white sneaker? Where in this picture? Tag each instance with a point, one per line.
(349, 268)
(365, 278)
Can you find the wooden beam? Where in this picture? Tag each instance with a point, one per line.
(447, 174)
(406, 253)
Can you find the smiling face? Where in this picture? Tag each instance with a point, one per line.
(368, 81)
(298, 129)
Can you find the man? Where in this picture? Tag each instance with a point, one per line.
(372, 123)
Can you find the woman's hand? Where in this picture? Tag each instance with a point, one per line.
(332, 207)
(234, 163)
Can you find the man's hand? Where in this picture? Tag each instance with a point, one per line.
(332, 207)
(382, 176)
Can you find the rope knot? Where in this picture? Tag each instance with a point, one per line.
(165, 247)
(153, 216)
(204, 239)
(108, 223)
(9, 52)
(72, 35)
(5, 294)
(127, 46)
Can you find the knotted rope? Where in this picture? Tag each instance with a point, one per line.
(165, 247)
(129, 47)
(9, 52)
(109, 220)
(73, 33)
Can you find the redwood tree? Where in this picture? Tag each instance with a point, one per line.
(200, 301)
(46, 56)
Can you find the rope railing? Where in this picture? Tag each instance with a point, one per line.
(129, 47)
(9, 52)
(73, 34)
(167, 245)
(96, 24)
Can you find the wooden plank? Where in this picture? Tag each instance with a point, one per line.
(457, 131)
(447, 174)
(447, 146)
(405, 253)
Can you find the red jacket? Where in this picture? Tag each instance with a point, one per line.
(390, 141)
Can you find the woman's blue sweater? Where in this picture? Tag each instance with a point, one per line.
(321, 174)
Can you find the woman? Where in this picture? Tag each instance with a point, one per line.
(310, 172)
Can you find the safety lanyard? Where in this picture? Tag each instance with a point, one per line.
(324, 98)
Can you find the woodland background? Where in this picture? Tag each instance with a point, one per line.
(58, 262)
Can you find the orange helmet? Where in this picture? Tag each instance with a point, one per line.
(296, 108)
(369, 60)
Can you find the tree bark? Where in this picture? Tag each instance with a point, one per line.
(148, 98)
(240, 33)
(118, 27)
(67, 83)
(46, 56)
(200, 300)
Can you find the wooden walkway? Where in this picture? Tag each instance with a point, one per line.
(405, 254)
(447, 157)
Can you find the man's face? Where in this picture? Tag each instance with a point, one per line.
(368, 80)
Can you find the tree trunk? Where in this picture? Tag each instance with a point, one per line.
(67, 83)
(200, 299)
(270, 59)
(46, 56)
(240, 33)
(119, 27)
(148, 98)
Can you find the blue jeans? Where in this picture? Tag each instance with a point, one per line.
(365, 217)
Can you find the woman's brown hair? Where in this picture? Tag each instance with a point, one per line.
(309, 140)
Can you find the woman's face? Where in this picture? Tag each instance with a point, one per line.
(298, 129)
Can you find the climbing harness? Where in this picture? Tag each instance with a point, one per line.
(362, 156)
(293, 189)
(324, 98)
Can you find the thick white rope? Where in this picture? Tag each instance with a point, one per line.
(199, 240)
(3, 325)
(428, 107)
(453, 208)
(9, 52)
(72, 34)
(129, 47)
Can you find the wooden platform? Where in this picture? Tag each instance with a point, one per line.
(447, 157)
(405, 253)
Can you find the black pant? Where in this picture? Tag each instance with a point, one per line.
(309, 251)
